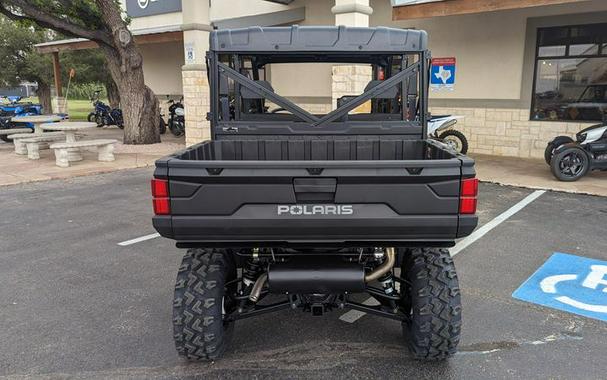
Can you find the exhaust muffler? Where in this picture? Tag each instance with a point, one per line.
(322, 275)
(319, 275)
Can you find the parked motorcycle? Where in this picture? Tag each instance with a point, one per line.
(440, 128)
(104, 114)
(176, 122)
(570, 160)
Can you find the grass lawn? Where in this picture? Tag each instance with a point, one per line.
(77, 109)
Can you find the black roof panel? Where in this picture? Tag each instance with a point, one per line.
(318, 39)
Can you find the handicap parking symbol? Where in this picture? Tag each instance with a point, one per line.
(570, 283)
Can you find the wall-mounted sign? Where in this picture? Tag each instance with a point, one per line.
(190, 55)
(442, 74)
(141, 8)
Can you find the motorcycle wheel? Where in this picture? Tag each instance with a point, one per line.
(456, 140)
(177, 128)
(163, 126)
(99, 120)
(91, 117)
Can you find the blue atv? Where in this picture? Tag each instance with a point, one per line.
(12, 110)
(16, 108)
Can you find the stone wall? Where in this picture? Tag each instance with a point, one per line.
(507, 132)
(349, 80)
(196, 101)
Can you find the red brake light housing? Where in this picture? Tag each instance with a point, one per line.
(468, 196)
(160, 196)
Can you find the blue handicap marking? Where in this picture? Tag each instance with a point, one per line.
(570, 283)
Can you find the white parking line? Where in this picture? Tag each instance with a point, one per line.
(480, 232)
(138, 240)
(353, 315)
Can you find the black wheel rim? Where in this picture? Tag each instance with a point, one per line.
(572, 164)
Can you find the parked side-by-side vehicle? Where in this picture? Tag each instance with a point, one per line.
(288, 209)
(570, 160)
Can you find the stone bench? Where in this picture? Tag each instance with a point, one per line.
(105, 150)
(34, 142)
(14, 131)
(21, 148)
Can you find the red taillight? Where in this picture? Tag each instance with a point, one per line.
(469, 187)
(160, 194)
(162, 206)
(468, 194)
(160, 188)
(467, 206)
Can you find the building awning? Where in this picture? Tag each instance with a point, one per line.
(415, 9)
(286, 17)
(142, 36)
(171, 33)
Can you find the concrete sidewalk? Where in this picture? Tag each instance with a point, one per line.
(16, 169)
(535, 174)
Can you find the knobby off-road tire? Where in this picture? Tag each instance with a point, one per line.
(432, 300)
(200, 332)
(463, 141)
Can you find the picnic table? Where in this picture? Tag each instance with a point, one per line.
(37, 120)
(70, 128)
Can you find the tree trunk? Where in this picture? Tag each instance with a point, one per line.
(113, 95)
(44, 97)
(139, 103)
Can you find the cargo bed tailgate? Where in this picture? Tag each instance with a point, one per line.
(299, 201)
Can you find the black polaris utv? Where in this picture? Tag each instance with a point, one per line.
(288, 209)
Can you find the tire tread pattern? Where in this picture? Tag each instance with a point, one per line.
(434, 329)
(199, 331)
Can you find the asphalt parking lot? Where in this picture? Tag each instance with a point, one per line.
(73, 303)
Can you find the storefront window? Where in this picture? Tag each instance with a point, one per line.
(571, 73)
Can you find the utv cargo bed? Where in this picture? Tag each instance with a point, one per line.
(345, 191)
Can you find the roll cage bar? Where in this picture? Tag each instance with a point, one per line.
(216, 69)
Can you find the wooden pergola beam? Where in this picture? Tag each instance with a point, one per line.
(57, 74)
(461, 7)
